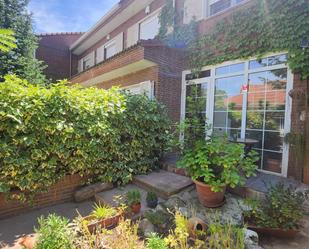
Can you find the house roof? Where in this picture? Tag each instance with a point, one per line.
(60, 33)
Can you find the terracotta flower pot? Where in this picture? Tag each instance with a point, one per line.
(207, 197)
(136, 208)
(104, 223)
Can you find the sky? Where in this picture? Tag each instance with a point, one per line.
(67, 15)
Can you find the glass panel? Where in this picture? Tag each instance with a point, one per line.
(110, 50)
(256, 101)
(257, 81)
(256, 135)
(255, 120)
(274, 121)
(229, 85)
(220, 119)
(235, 68)
(233, 134)
(272, 161)
(276, 79)
(273, 141)
(258, 63)
(234, 120)
(149, 28)
(277, 60)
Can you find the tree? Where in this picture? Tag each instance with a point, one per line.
(7, 40)
(20, 60)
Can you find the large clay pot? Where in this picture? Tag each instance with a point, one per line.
(104, 223)
(207, 197)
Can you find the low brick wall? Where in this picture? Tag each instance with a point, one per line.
(60, 192)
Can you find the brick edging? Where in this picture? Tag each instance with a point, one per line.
(60, 192)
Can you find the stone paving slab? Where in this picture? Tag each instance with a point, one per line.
(163, 183)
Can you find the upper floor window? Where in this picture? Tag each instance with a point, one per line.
(149, 28)
(217, 6)
(110, 50)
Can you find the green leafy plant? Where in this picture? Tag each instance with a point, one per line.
(133, 197)
(49, 132)
(103, 212)
(218, 163)
(151, 196)
(7, 40)
(222, 236)
(282, 208)
(54, 232)
(257, 29)
(155, 242)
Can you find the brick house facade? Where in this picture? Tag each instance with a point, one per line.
(54, 50)
(119, 51)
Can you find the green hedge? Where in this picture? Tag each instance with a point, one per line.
(46, 133)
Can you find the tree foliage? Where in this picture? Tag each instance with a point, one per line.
(46, 133)
(7, 40)
(20, 60)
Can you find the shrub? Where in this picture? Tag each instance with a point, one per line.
(46, 133)
(218, 163)
(282, 208)
(54, 233)
(156, 242)
(102, 212)
(133, 197)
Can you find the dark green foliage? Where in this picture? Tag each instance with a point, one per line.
(218, 162)
(266, 26)
(133, 197)
(46, 133)
(54, 233)
(20, 60)
(151, 196)
(170, 20)
(282, 208)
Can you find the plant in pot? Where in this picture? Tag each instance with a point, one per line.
(152, 200)
(214, 164)
(279, 213)
(102, 216)
(134, 200)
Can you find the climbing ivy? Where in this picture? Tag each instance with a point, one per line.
(264, 27)
(172, 31)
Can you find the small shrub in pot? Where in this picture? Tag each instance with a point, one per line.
(216, 163)
(279, 213)
(152, 200)
(134, 200)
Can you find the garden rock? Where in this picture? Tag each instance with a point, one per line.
(88, 192)
(251, 239)
(174, 202)
(146, 227)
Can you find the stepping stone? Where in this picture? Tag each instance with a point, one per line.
(163, 183)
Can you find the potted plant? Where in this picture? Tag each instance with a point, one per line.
(103, 217)
(214, 164)
(279, 213)
(134, 200)
(152, 200)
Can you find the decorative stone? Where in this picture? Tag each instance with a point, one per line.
(88, 192)
(146, 227)
(185, 212)
(251, 239)
(174, 202)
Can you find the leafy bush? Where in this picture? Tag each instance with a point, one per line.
(54, 233)
(46, 133)
(218, 163)
(156, 242)
(282, 208)
(133, 197)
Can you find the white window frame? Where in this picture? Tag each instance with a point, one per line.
(85, 58)
(207, 7)
(143, 86)
(246, 72)
(107, 45)
(148, 18)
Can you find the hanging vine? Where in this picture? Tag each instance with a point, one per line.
(264, 27)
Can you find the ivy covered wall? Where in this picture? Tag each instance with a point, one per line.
(263, 27)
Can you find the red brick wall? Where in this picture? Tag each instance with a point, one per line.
(155, 5)
(54, 51)
(133, 78)
(58, 193)
(299, 107)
